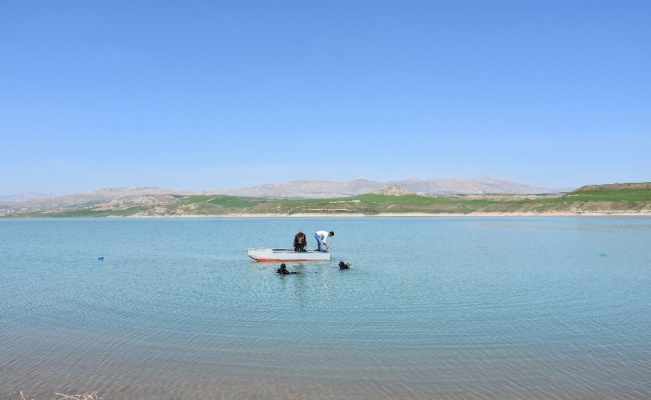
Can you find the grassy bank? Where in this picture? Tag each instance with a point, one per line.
(593, 199)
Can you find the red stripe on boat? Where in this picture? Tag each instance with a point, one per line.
(282, 259)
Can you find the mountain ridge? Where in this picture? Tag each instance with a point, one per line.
(431, 186)
(307, 189)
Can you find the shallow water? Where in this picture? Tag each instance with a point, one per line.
(434, 308)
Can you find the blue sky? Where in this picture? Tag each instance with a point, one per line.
(208, 94)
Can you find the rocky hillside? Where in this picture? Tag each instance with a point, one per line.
(392, 191)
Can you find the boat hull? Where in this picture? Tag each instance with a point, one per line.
(265, 254)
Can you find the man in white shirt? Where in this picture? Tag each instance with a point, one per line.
(320, 237)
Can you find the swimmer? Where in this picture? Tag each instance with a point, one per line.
(343, 265)
(282, 270)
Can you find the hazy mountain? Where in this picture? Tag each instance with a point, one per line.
(21, 196)
(322, 189)
(309, 189)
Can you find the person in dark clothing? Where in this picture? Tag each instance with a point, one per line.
(282, 270)
(343, 265)
(300, 241)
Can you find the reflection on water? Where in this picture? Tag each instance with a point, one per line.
(435, 307)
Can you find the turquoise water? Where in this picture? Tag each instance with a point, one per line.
(434, 308)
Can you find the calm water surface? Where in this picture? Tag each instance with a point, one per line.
(434, 308)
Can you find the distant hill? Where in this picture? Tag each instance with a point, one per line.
(325, 189)
(624, 198)
(614, 187)
(91, 196)
(306, 189)
(470, 186)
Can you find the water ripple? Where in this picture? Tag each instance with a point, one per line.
(435, 308)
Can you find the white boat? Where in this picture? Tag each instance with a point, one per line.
(267, 254)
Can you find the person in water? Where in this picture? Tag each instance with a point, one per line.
(320, 237)
(300, 241)
(282, 270)
(343, 265)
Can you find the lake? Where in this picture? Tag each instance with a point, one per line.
(458, 307)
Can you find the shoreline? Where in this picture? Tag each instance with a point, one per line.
(642, 213)
(399, 215)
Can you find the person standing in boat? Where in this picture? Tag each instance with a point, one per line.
(300, 241)
(320, 237)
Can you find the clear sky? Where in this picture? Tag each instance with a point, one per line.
(209, 94)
